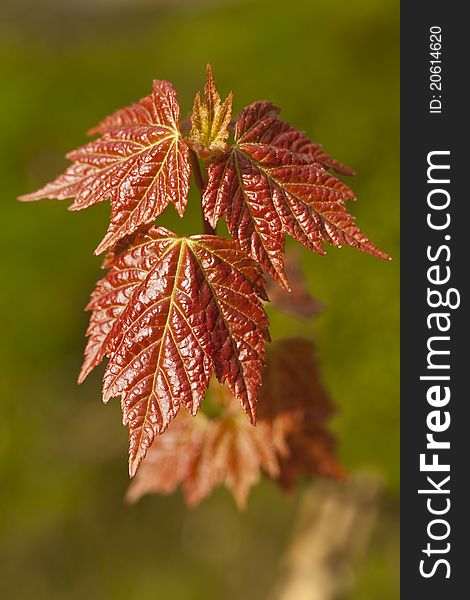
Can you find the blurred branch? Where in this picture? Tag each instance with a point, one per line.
(332, 531)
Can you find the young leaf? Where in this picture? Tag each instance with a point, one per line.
(290, 437)
(140, 163)
(273, 182)
(210, 120)
(196, 309)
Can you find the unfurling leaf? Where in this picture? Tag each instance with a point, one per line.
(170, 311)
(140, 163)
(273, 182)
(290, 438)
(210, 120)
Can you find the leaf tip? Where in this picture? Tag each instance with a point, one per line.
(252, 415)
(283, 281)
(136, 456)
(24, 198)
(381, 254)
(133, 466)
(84, 372)
(241, 501)
(103, 245)
(209, 74)
(131, 497)
(106, 395)
(32, 196)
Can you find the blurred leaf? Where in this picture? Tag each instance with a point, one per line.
(298, 301)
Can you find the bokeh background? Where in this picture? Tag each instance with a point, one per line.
(65, 531)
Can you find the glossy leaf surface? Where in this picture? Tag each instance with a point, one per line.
(140, 163)
(174, 311)
(273, 182)
(183, 307)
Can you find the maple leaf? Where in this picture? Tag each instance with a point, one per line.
(140, 163)
(210, 120)
(200, 454)
(170, 311)
(272, 182)
(290, 438)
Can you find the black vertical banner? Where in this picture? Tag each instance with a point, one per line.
(435, 269)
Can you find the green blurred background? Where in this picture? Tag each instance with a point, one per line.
(333, 68)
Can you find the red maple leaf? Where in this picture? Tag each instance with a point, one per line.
(170, 311)
(272, 182)
(140, 163)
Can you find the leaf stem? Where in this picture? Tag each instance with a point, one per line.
(207, 227)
